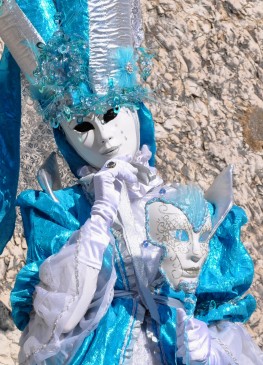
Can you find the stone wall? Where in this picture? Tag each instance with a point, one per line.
(208, 77)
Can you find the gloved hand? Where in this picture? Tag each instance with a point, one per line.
(107, 187)
(193, 339)
(94, 235)
(195, 344)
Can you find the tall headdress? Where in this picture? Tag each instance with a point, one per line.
(80, 57)
(91, 63)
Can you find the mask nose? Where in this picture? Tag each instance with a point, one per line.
(196, 253)
(106, 139)
(105, 132)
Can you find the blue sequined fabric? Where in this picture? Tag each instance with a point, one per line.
(62, 76)
(227, 274)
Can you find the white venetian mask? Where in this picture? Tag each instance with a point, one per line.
(186, 248)
(100, 138)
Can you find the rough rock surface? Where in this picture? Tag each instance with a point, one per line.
(208, 75)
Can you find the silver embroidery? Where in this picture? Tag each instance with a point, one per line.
(136, 23)
(227, 350)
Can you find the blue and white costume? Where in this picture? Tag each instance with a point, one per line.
(132, 316)
(109, 331)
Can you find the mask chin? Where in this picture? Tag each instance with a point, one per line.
(101, 140)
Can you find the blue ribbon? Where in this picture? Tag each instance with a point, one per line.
(159, 299)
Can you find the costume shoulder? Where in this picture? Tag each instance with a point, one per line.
(49, 224)
(227, 274)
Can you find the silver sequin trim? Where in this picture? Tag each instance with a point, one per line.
(227, 351)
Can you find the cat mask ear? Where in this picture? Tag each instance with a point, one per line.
(220, 194)
(48, 176)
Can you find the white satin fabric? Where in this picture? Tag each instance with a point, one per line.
(234, 341)
(223, 343)
(63, 285)
(110, 28)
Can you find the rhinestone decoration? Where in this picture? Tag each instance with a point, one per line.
(129, 68)
(145, 243)
(162, 191)
(62, 78)
(111, 164)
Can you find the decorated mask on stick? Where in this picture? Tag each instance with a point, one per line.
(182, 221)
(181, 224)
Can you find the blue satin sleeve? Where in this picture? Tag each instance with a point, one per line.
(47, 226)
(22, 293)
(41, 14)
(10, 117)
(226, 275)
(147, 134)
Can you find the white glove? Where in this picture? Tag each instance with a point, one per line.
(107, 187)
(95, 233)
(194, 342)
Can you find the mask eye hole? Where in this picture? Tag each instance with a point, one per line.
(84, 127)
(110, 115)
(180, 235)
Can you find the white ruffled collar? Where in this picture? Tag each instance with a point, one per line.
(148, 178)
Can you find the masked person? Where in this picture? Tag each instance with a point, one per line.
(114, 270)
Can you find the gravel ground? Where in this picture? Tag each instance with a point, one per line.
(208, 75)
